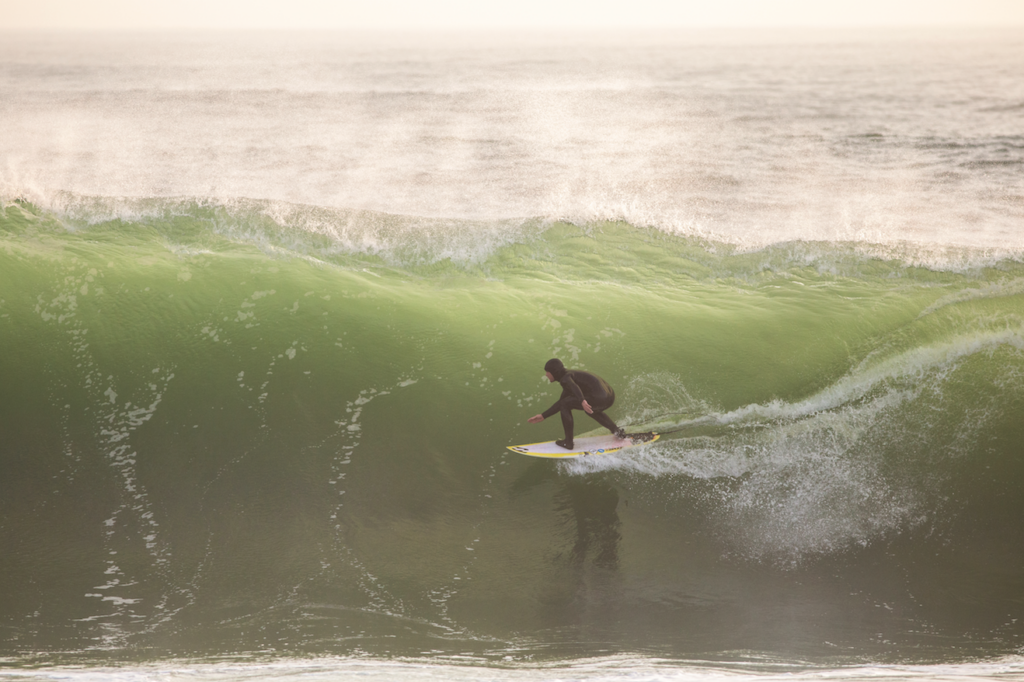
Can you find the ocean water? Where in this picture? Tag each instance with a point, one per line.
(273, 306)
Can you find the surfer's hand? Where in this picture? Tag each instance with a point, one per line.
(587, 408)
(536, 419)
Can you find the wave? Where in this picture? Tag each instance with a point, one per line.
(245, 426)
(408, 240)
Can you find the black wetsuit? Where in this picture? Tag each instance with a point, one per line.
(578, 386)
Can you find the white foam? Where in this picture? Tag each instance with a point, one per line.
(690, 137)
(811, 477)
(115, 422)
(622, 668)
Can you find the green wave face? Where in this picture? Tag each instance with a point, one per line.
(260, 427)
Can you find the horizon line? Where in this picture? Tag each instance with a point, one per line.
(521, 30)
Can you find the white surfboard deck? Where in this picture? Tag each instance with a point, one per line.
(592, 445)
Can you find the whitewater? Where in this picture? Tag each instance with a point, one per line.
(273, 305)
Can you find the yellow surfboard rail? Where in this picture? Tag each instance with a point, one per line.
(594, 445)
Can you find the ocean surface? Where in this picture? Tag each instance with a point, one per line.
(272, 306)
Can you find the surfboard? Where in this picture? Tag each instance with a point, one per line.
(592, 445)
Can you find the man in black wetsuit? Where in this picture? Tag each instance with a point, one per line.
(580, 391)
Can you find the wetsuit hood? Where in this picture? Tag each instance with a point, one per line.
(555, 366)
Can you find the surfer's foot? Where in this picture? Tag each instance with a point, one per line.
(620, 433)
(567, 444)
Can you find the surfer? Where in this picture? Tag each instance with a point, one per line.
(580, 391)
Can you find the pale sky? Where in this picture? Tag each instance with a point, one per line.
(500, 14)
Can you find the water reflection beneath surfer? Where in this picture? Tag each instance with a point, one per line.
(588, 508)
